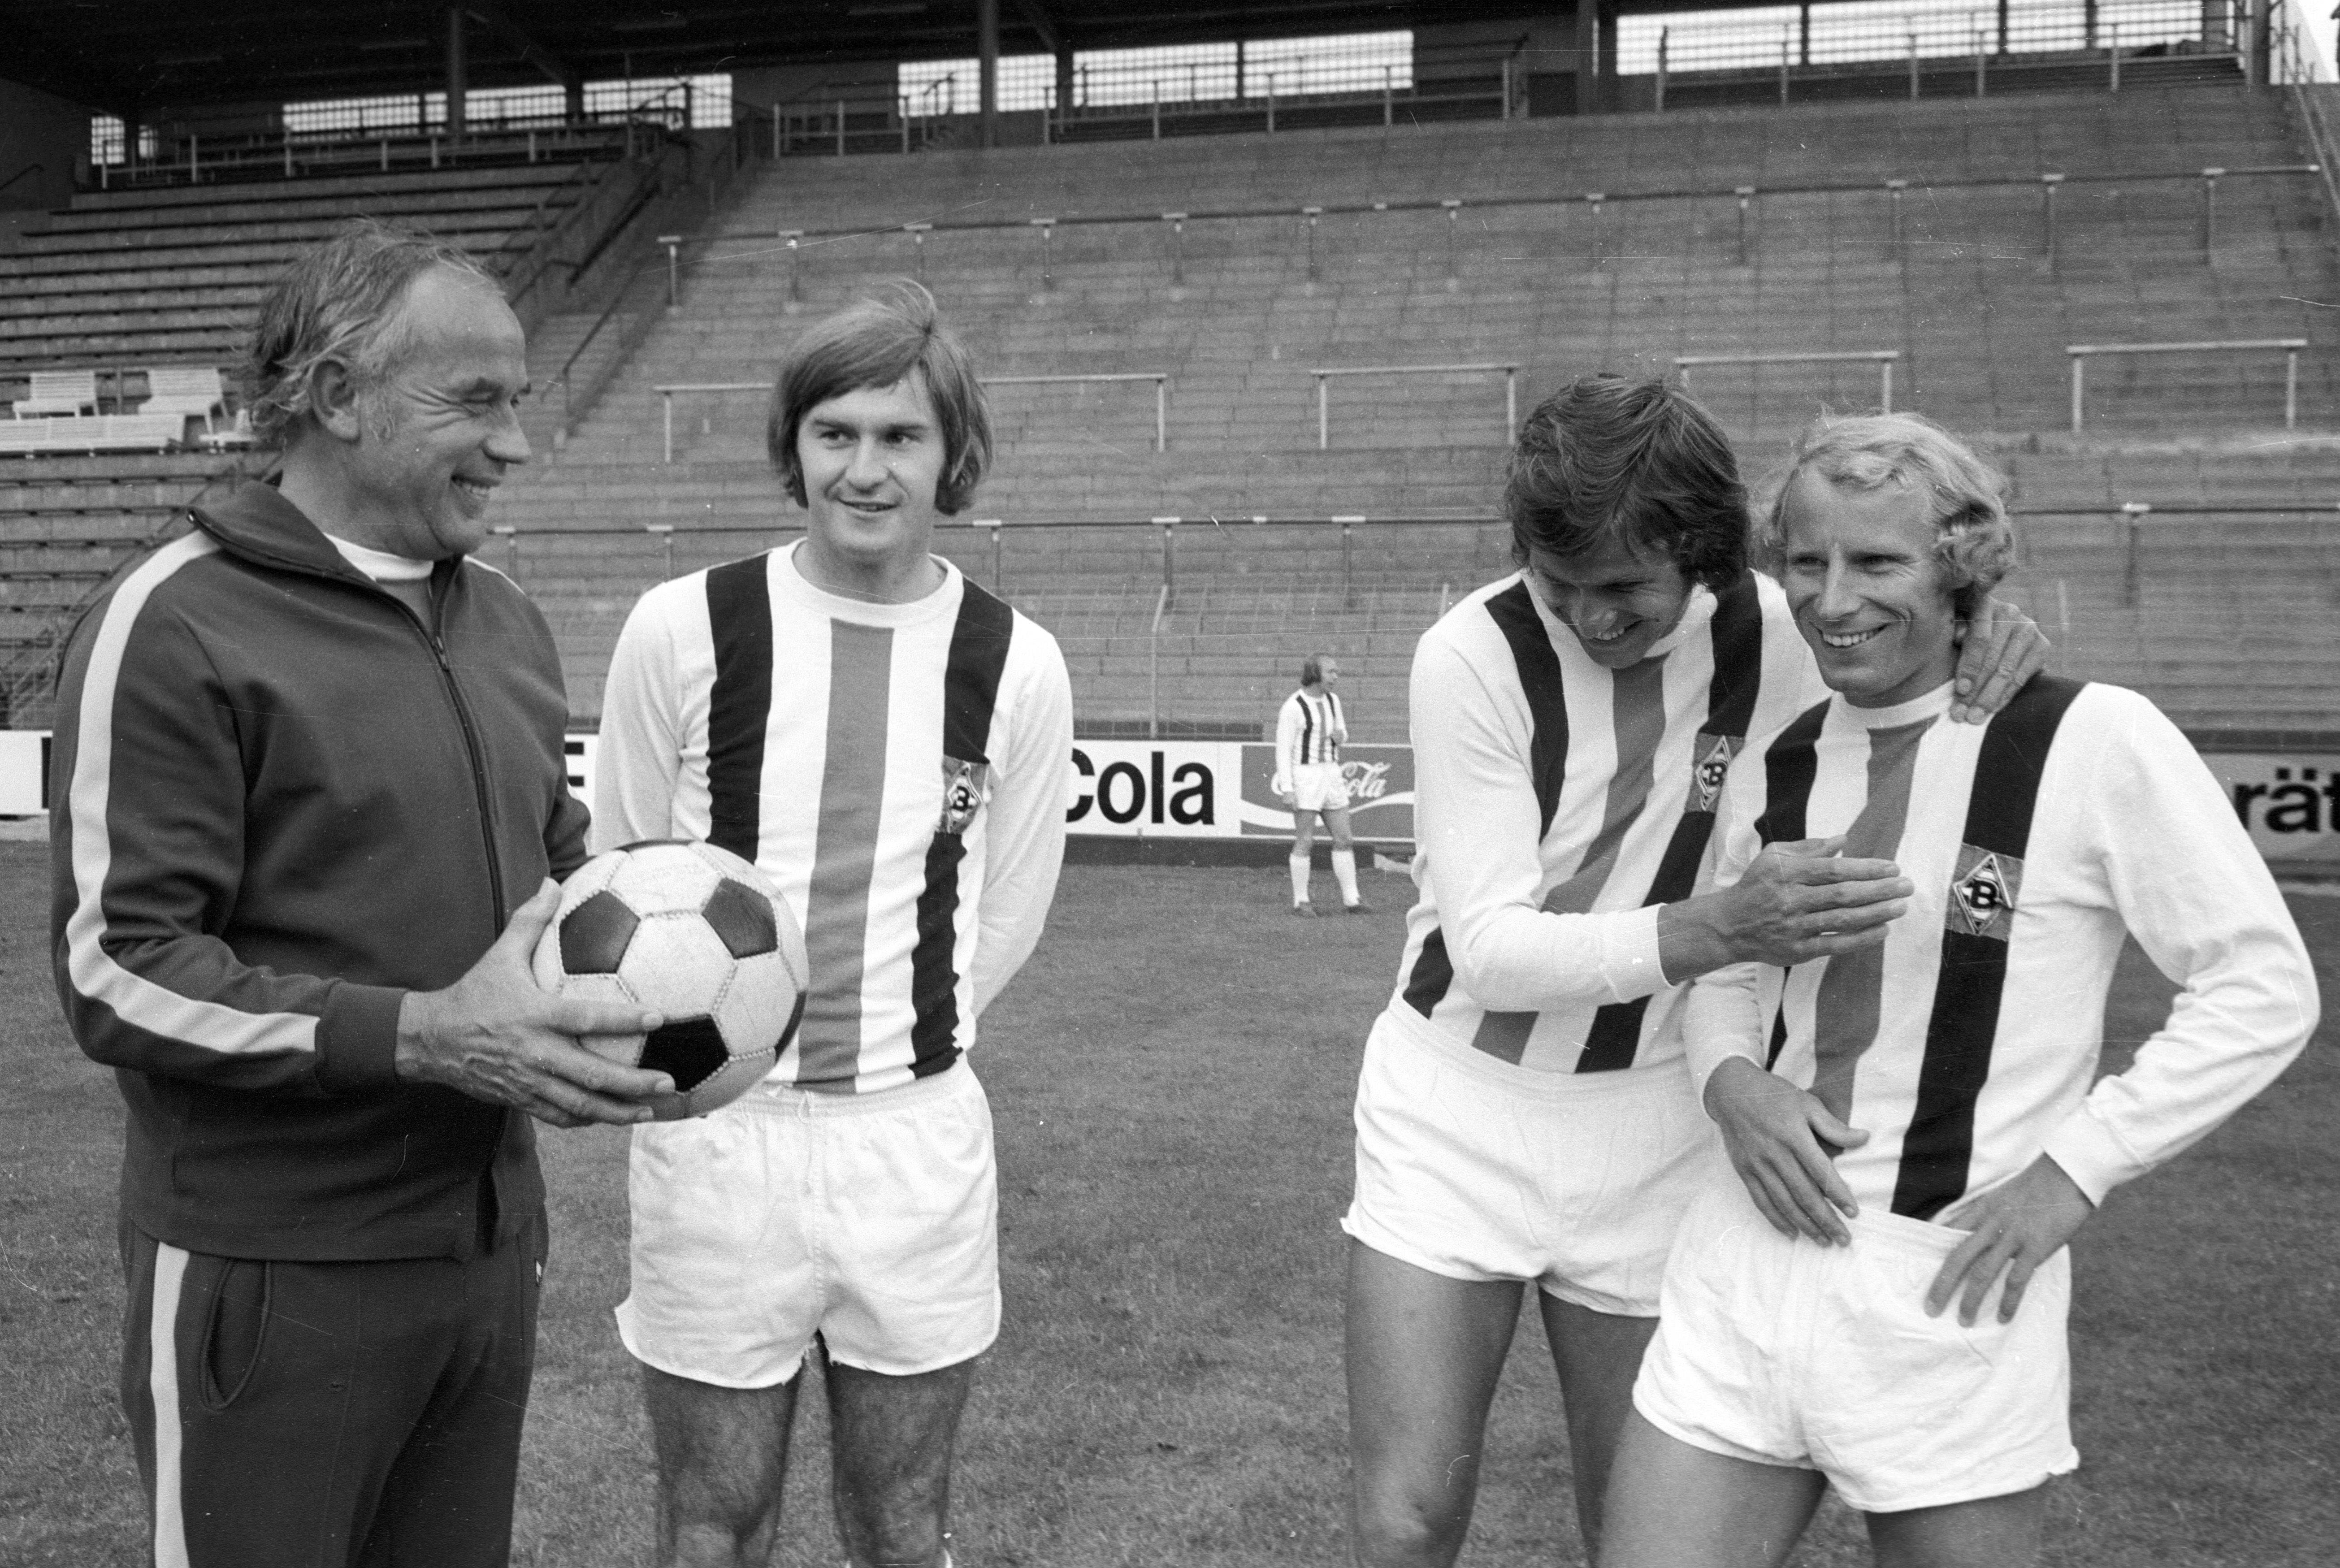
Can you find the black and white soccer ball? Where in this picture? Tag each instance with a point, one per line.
(697, 934)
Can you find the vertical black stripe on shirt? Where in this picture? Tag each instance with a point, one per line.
(1514, 614)
(1938, 1148)
(739, 706)
(1308, 728)
(1789, 765)
(978, 653)
(1779, 1022)
(1736, 634)
(1433, 971)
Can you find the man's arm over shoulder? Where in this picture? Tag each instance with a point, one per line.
(1478, 818)
(1026, 832)
(146, 843)
(640, 753)
(2197, 897)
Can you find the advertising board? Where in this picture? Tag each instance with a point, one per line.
(2289, 799)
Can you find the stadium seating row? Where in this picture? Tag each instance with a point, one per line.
(59, 414)
(1965, 293)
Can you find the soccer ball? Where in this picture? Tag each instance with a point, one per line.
(698, 934)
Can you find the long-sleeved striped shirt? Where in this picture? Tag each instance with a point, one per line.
(1559, 803)
(1967, 1044)
(898, 769)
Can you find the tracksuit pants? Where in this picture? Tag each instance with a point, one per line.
(328, 1414)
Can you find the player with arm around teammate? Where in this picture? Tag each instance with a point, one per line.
(1523, 1112)
(1875, 1299)
(888, 743)
(1311, 727)
(309, 787)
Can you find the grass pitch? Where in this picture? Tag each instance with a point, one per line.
(1171, 1081)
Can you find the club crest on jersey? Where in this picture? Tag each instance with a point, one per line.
(965, 785)
(1983, 893)
(1710, 763)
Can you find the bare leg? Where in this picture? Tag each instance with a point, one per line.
(721, 1455)
(1988, 1533)
(892, 1440)
(1424, 1353)
(1596, 1354)
(1344, 855)
(1672, 1505)
(1303, 844)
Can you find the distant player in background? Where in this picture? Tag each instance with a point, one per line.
(1310, 730)
(1921, 1122)
(1523, 1112)
(886, 742)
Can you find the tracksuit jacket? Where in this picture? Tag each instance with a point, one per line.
(280, 801)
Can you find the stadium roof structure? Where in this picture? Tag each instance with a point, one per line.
(120, 53)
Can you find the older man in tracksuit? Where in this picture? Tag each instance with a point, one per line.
(308, 768)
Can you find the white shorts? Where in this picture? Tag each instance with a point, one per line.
(1784, 1352)
(871, 1220)
(1475, 1169)
(1319, 787)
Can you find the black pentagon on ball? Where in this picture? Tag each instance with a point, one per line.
(688, 1050)
(593, 936)
(739, 915)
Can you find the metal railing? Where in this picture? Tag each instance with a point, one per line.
(2293, 62)
(1243, 601)
(1323, 376)
(2080, 353)
(1746, 198)
(1164, 531)
(2021, 33)
(1884, 359)
(662, 188)
(1154, 664)
(197, 159)
(1160, 380)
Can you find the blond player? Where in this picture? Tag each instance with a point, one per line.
(1918, 1125)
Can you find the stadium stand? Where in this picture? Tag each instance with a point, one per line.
(118, 313)
(1490, 249)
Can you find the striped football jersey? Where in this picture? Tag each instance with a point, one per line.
(1559, 803)
(1966, 1045)
(1310, 729)
(898, 769)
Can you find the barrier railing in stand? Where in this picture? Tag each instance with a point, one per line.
(792, 242)
(1154, 665)
(1166, 597)
(2080, 353)
(1160, 380)
(1323, 402)
(1884, 359)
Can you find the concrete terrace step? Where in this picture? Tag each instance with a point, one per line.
(1977, 312)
